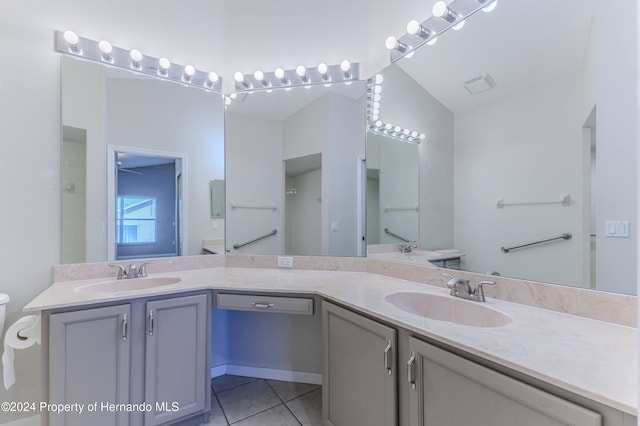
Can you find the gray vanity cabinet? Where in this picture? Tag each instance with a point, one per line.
(360, 376)
(151, 351)
(447, 390)
(175, 364)
(89, 361)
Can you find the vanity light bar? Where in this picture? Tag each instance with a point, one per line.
(300, 76)
(445, 15)
(375, 125)
(70, 43)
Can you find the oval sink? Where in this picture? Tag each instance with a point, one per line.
(448, 308)
(134, 284)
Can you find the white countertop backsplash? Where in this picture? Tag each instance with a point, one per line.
(579, 340)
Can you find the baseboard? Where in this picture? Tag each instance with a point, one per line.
(267, 373)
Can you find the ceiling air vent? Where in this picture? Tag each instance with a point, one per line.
(480, 84)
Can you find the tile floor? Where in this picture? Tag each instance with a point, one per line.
(245, 401)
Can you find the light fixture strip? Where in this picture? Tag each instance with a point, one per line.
(377, 126)
(436, 26)
(122, 58)
(312, 76)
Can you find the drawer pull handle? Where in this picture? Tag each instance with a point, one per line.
(261, 305)
(410, 365)
(386, 357)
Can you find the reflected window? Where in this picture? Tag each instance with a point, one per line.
(135, 220)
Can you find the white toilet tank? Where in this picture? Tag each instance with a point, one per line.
(4, 299)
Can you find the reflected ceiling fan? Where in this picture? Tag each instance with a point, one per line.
(122, 169)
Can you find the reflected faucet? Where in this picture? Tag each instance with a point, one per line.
(406, 248)
(132, 272)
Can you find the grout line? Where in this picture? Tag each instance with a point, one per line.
(253, 379)
(215, 395)
(274, 391)
(259, 412)
(292, 413)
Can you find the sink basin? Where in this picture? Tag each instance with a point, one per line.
(134, 284)
(448, 308)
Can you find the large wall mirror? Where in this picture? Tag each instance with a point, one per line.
(139, 158)
(295, 163)
(531, 113)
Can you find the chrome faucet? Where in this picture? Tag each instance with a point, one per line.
(406, 248)
(132, 272)
(461, 288)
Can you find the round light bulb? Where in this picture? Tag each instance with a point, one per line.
(391, 42)
(397, 129)
(164, 63)
(379, 79)
(227, 101)
(105, 47)
(414, 134)
(413, 27)
(345, 65)
(376, 111)
(388, 126)
(376, 105)
(375, 117)
(440, 9)
(491, 7)
(71, 38)
(189, 70)
(322, 68)
(279, 72)
(239, 77)
(377, 97)
(423, 136)
(258, 75)
(213, 77)
(135, 55)
(432, 41)
(406, 132)
(379, 123)
(377, 89)
(301, 70)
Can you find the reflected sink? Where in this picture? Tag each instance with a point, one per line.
(124, 285)
(448, 308)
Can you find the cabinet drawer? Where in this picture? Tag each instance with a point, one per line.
(274, 304)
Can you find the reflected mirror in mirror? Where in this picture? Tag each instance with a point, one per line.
(164, 129)
(294, 161)
(532, 135)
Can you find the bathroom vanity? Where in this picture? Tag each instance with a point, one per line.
(385, 362)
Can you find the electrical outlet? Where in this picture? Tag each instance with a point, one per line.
(285, 262)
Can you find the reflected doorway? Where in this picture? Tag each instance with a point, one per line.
(146, 204)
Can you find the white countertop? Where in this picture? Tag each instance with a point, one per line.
(590, 358)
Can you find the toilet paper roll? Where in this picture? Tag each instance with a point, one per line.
(22, 334)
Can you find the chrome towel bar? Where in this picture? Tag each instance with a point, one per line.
(386, 230)
(565, 236)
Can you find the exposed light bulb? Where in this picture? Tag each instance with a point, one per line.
(397, 129)
(239, 77)
(301, 70)
(106, 48)
(377, 89)
(388, 126)
(390, 42)
(323, 68)
(422, 136)
(345, 66)
(213, 77)
(414, 134)
(279, 73)
(441, 10)
(164, 64)
(379, 79)
(189, 70)
(491, 7)
(376, 105)
(414, 28)
(227, 101)
(258, 75)
(378, 123)
(72, 40)
(377, 97)
(406, 132)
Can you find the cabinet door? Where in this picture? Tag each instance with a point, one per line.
(89, 356)
(447, 390)
(175, 371)
(359, 380)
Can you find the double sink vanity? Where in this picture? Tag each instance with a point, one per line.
(395, 351)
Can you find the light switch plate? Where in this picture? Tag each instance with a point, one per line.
(616, 228)
(285, 262)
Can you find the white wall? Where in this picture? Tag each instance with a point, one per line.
(407, 104)
(527, 147)
(616, 133)
(255, 176)
(303, 214)
(74, 201)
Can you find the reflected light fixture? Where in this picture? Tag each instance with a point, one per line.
(212, 79)
(259, 76)
(188, 73)
(136, 58)
(282, 76)
(323, 69)
(301, 71)
(491, 7)
(106, 48)
(163, 66)
(345, 67)
(239, 78)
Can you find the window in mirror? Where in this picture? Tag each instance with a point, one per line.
(135, 220)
